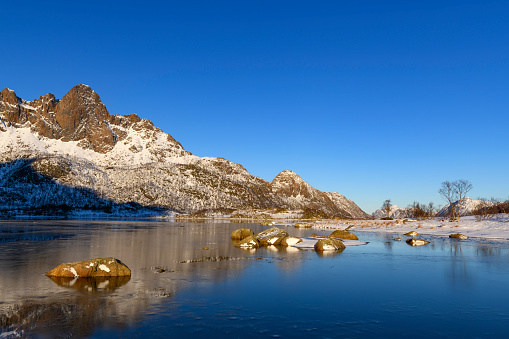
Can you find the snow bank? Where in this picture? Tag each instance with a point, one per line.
(496, 228)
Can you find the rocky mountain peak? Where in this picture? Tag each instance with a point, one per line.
(83, 117)
(290, 184)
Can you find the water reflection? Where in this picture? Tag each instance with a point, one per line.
(168, 258)
(96, 284)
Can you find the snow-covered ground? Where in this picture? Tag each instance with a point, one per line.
(495, 228)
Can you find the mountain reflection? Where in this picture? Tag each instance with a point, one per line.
(163, 257)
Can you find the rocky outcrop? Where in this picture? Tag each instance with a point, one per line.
(100, 267)
(300, 194)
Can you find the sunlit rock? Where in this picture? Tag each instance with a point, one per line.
(417, 242)
(241, 233)
(303, 225)
(272, 236)
(329, 244)
(458, 236)
(249, 242)
(412, 233)
(342, 234)
(99, 267)
(396, 239)
(290, 241)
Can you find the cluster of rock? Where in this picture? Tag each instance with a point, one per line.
(278, 237)
(420, 242)
(272, 236)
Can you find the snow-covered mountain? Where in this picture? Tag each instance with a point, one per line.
(395, 212)
(73, 153)
(467, 206)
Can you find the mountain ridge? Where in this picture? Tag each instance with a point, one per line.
(76, 142)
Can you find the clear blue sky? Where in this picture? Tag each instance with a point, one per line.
(372, 99)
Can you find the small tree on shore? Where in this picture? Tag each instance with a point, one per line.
(386, 207)
(455, 192)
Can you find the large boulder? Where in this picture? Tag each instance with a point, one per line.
(343, 234)
(249, 242)
(99, 267)
(272, 236)
(329, 244)
(417, 242)
(241, 233)
(290, 241)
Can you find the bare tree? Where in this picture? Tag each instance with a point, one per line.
(454, 192)
(448, 191)
(483, 209)
(431, 210)
(386, 206)
(417, 210)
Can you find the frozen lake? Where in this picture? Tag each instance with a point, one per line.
(382, 289)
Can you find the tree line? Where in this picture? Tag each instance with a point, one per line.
(454, 192)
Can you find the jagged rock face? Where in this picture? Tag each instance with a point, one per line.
(73, 149)
(83, 117)
(80, 116)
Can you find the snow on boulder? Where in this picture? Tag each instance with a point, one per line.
(99, 267)
(249, 242)
(272, 236)
(290, 241)
(417, 242)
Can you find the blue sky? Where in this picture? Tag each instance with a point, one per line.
(373, 99)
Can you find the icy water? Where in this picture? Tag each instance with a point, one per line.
(449, 288)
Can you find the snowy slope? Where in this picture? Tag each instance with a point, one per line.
(467, 206)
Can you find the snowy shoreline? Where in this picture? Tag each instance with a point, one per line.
(496, 228)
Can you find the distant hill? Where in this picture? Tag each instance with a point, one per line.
(467, 207)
